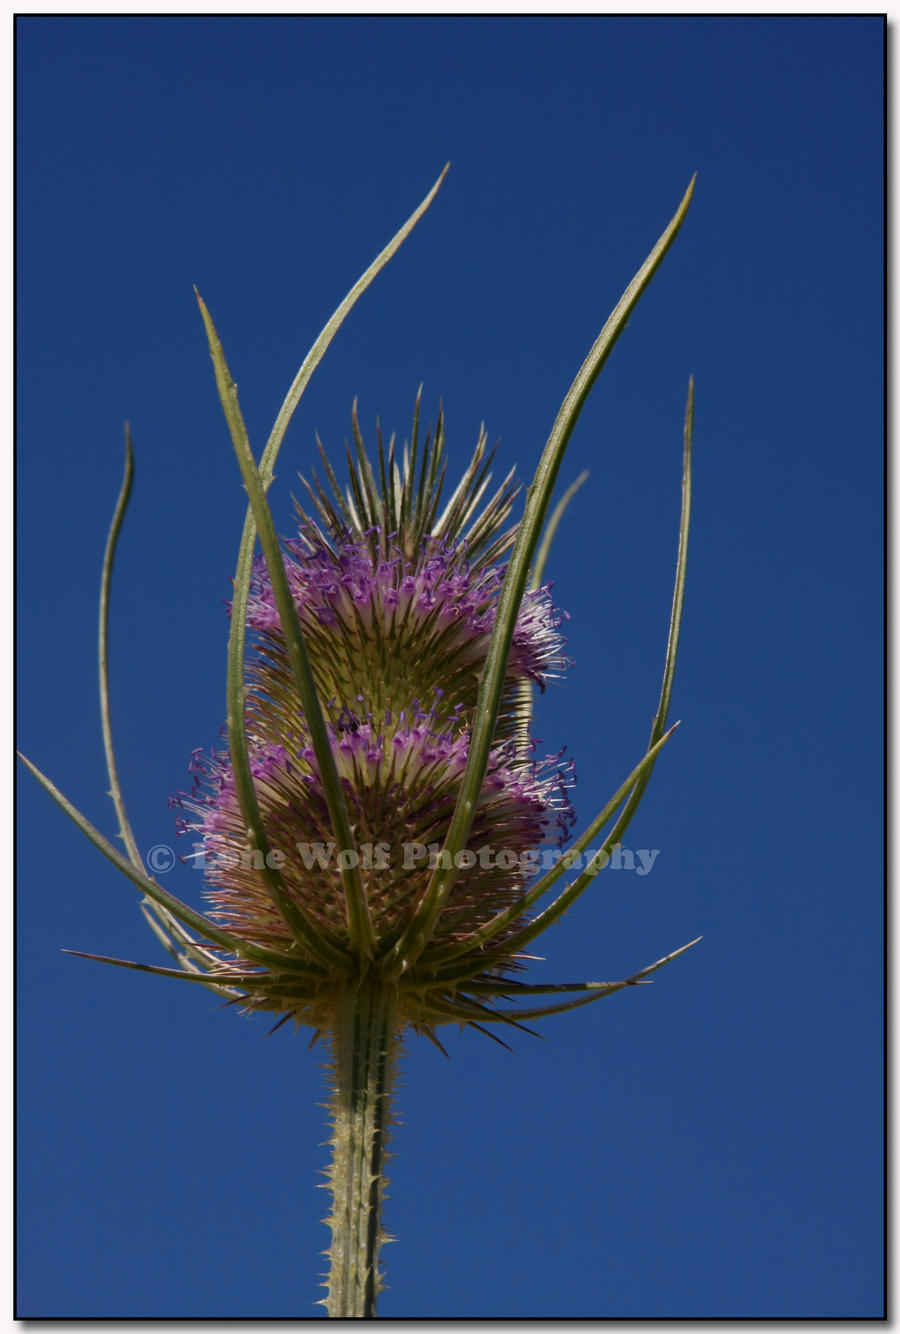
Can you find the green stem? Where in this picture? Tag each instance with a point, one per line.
(364, 1041)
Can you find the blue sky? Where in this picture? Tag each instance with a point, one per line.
(707, 1146)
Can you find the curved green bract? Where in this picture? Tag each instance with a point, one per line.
(243, 948)
(417, 935)
(468, 945)
(525, 707)
(237, 637)
(166, 928)
(657, 735)
(305, 929)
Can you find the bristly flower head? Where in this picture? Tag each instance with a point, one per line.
(377, 815)
(397, 602)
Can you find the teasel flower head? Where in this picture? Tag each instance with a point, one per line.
(369, 836)
(396, 598)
